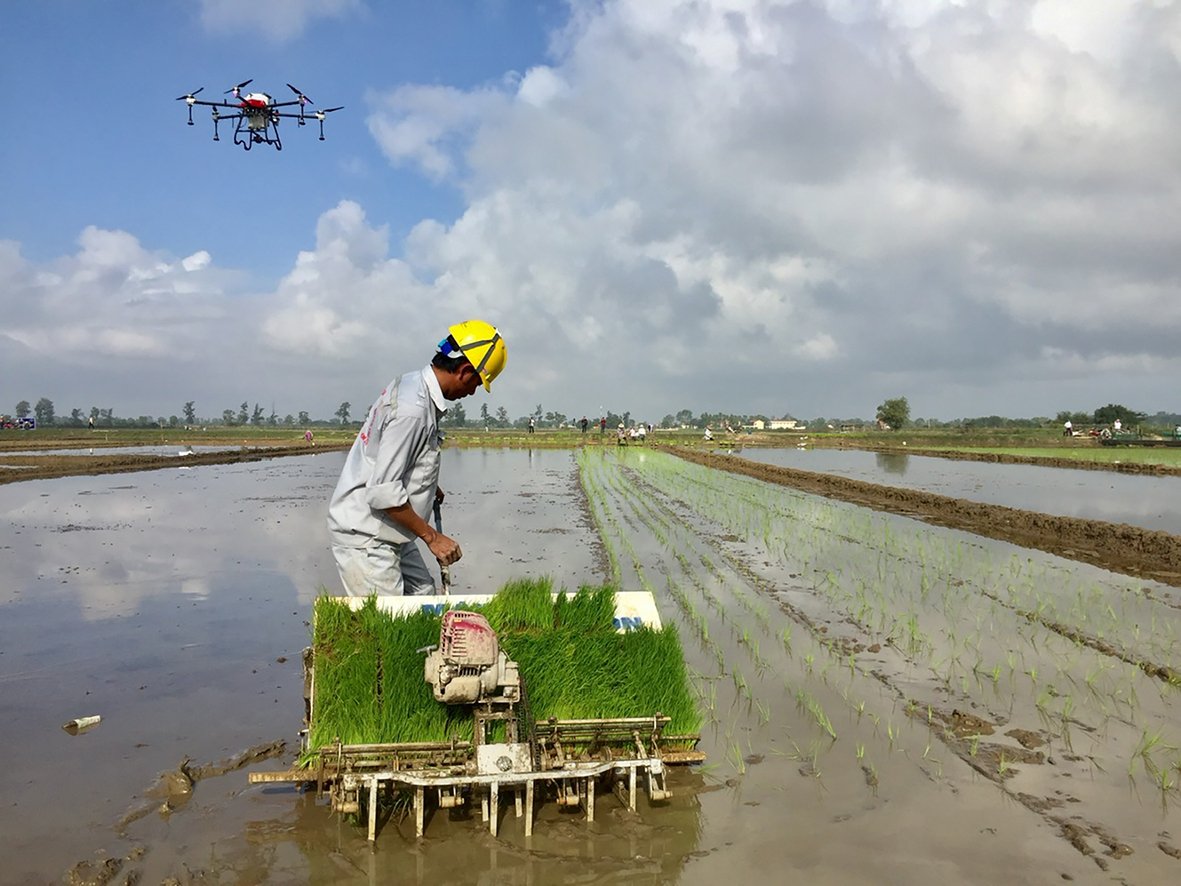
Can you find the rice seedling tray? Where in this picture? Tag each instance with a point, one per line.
(605, 705)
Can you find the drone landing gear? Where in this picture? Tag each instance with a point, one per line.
(248, 137)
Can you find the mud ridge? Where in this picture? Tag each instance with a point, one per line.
(1044, 461)
(1151, 668)
(1113, 546)
(43, 467)
(170, 792)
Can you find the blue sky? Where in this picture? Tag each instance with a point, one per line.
(756, 206)
(102, 146)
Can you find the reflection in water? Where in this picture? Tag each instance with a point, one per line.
(892, 462)
(651, 845)
(1150, 502)
(174, 604)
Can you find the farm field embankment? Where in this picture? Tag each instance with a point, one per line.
(48, 453)
(1118, 547)
(1044, 448)
(1123, 459)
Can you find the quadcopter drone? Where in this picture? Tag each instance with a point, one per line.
(256, 115)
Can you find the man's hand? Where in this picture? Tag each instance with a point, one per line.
(445, 549)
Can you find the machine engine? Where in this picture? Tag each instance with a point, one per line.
(468, 665)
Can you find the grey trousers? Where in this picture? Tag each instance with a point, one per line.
(382, 568)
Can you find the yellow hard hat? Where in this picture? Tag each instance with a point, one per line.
(481, 343)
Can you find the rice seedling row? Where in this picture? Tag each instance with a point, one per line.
(786, 594)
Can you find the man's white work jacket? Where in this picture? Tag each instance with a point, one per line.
(394, 460)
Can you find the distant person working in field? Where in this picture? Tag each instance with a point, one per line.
(390, 481)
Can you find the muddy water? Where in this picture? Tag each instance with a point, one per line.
(174, 605)
(176, 449)
(1150, 502)
(165, 601)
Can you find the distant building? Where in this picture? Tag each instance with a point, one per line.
(784, 424)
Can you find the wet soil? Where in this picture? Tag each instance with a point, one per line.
(1116, 547)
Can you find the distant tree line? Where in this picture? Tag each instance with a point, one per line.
(45, 414)
(894, 413)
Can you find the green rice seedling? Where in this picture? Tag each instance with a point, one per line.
(734, 755)
(1149, 744)
(1003, 765)
(1166, 782)
(740, 684)
(764, 712)
(524, 605)
(810, 703)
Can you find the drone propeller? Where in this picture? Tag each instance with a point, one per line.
(320, 115)
(235, 89)
(303, 99)
(190, 97)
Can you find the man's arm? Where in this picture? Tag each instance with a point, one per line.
(445, 549)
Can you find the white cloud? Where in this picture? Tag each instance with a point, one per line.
(540, 86)
(427, 125)
(940, 188)
(759, 205)
(280, 20)
(111, 298)
(197, 261)
(820, 347)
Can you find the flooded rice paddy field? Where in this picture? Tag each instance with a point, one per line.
(177, 450)
(1151, 502)
(885, 700)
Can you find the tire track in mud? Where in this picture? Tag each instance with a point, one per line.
(1116, 547)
